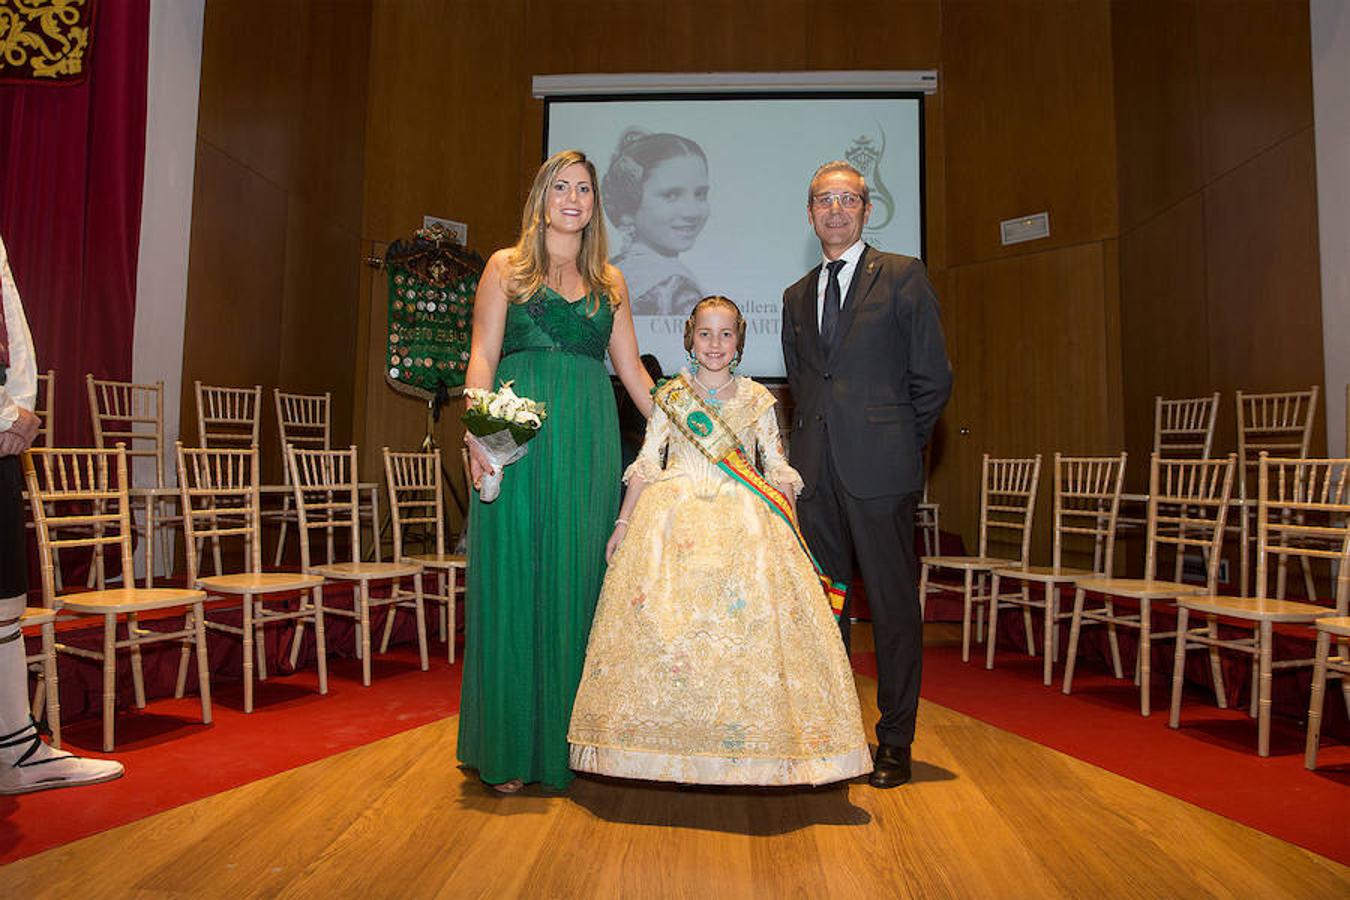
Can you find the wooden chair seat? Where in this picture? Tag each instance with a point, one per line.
(36, 615)
(1337, 625)
(1139, 588)
(967, 563)
(259, 582)
(438, 560)
(128, 600)
(1044, 574)
(365, 571)
(1254, 609)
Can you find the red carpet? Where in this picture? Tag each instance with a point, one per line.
(172, 759)
(1210, 761)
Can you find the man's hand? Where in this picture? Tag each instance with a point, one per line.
(20, 435)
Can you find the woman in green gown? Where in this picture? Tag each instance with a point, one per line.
(546, 311)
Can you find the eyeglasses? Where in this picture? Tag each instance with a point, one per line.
(847, 200)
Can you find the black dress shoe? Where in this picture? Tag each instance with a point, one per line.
(890, 768)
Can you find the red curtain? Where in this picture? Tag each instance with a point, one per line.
(72, 159)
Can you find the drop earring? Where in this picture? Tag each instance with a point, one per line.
(693, 363)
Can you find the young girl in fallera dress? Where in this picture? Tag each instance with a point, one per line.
(714, 657)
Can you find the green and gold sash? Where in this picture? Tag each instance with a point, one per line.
(716, 440)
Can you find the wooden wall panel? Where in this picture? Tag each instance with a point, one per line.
(1029, 123)
(1263, 281)
(1157, 97)
(236, 273)
(874, 34)
(1163, 320)
(1033, 371)
(1255, 66)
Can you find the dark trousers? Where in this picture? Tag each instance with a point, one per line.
(880, 532)
(13, 542)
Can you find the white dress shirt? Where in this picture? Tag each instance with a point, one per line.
(20, 387)
(850, 258)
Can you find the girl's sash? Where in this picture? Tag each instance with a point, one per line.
(702, 425)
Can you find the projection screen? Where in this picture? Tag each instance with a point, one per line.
(706, 194)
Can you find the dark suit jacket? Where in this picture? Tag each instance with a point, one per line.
(877, 396)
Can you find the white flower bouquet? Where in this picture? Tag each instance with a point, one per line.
(501, 423)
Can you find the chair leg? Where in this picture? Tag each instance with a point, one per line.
(1245, 550)
(1216, 664)
(320, 641)
(418, 599)
(364, 632)
(1179, 666)
(923, 590)
(1263, 715)
(203, 662)
(1027, 627)
(137, 672)
(1145, 655)
(297, 635)
(51, 690)
(185, 651)
(1117, 669)
(993, 625)
(247, 629)
(260, 638)
(1309, 585)
(441, 581)
(109, 678)
(452, 595)
(391, 612)
(1051, 632)
(965, 618)
(981, 583)
(215, 555)
(1075, 625)
(1319, 687)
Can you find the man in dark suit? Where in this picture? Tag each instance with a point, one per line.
(868, 368)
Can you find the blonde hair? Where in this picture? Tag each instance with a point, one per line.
(706, 303)
(528, 269)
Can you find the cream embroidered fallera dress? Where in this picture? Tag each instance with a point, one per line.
(713, 657)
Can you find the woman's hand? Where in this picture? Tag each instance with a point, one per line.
(478, 462)
(615, 539)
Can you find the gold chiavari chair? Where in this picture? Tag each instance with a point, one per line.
(43, 408)
(1303, 510)
(228, 416)
(133, 415)
(1086, 504)
(1280, 424)
(324, 483)
(417, 500)
(1187, 507)
(1325, 666)
(71, 491)
(1007, 505)
(220, 501)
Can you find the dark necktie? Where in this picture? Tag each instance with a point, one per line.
(829, 313)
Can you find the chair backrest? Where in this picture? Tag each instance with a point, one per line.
(1087, 502)
(1280, 424)
(79, 499)
(415, 495)
(228, 417)
(325, 490)
(46, 400)
(131, 414)
(219, 489)
(1184, 428)
(303, 421)
(1008, 500)
(1187, 507)
(1303, 510)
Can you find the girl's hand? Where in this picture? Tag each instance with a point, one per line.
(615, 539)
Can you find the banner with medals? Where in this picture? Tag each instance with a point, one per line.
(432, 280)
(45, 41)
(706, 430)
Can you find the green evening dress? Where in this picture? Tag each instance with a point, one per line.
(537, 552)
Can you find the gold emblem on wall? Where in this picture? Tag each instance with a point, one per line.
(44, 41)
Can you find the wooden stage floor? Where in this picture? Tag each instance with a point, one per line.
(990, 815)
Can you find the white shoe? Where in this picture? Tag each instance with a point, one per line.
(40, 768)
